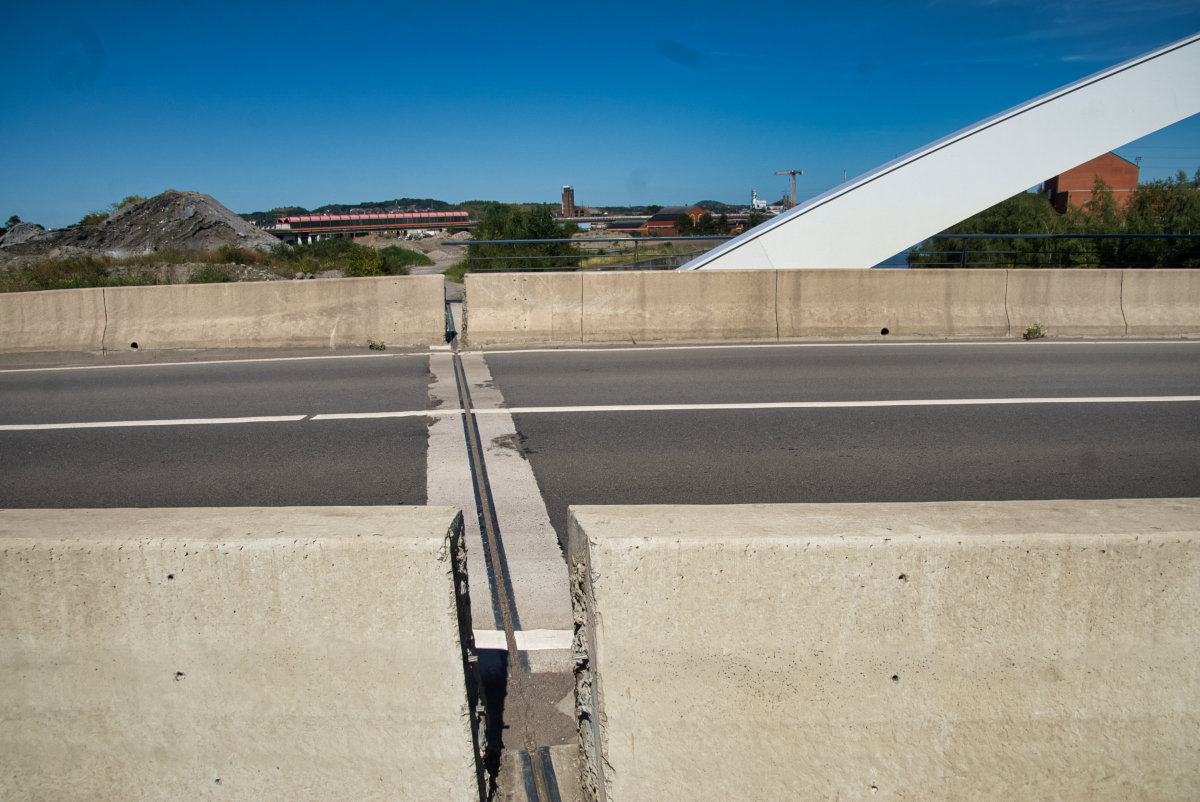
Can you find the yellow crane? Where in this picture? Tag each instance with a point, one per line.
(793, 174)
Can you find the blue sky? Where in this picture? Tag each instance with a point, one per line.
(262, 105)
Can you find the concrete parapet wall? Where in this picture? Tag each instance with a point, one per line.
(396, 310)
(941, 651)
(59, 320)
(1161, 302)
(657, 306)
(520, 308)
(289, 653)
(1068, 303)
(908, 303)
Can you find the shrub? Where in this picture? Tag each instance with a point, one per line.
(93, 219)
(1034, 332)
(456, 271)
(211, 274)
(397, 260)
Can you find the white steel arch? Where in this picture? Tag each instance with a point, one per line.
(879, 214)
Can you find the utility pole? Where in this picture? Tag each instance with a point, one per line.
(793, 174)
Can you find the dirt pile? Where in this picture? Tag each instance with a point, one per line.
(188, 222)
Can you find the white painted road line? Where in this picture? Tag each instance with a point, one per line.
(600, 349)
(21, 427)
(438, 413)
(528, 640)
(407, 413)
(917, 402)
(5, 371)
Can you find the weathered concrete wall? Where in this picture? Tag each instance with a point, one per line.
(520, 308)
(1162, 302)
(1068, 303)
(396, 310)
(948, 651)
(289, 653)
(656, 305)
(59, 320)
(908, 303)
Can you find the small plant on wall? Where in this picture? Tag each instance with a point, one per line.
(1035, 332)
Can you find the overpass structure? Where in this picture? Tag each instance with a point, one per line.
(885, 211)
(310, 227)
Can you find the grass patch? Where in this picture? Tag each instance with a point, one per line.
(214, 266)
(211, 274)
(71, 274)
(456, 271)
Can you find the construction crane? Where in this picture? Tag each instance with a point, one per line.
(793, 174)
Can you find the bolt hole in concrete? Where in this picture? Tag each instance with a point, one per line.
(895, 677)
(884, 331)
(170, 576)
(133, 346)
(179, 675)
(903, 577)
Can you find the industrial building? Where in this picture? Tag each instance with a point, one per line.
(306, 228)
(1074, 187)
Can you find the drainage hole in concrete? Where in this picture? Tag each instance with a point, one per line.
(170, 576)
(903, 577)
(895, 677)
(884, 332)
(133, 346)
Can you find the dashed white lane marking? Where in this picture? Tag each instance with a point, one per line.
(4, 371)
(18, 427)
(528, 640)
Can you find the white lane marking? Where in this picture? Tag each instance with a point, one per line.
(914, 402)
(19, 427)
(4, 371)
(934, 402)
(872, 344)
(528, 640)
(437, 413)
(406, 413)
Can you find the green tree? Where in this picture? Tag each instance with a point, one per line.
(684, 225)
(506, 221)
(723, 224)
(652, 210)
(11, 221)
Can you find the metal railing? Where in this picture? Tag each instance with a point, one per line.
(1059, 251)
(585, 253)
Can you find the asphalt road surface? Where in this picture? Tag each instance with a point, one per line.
(920, 452)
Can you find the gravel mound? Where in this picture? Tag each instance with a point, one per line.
(189, 222)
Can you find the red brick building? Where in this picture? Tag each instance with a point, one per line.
(1074, 187)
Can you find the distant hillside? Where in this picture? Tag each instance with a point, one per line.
(716, 207)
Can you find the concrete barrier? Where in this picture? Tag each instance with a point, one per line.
(1067, 303)
(657, 305)
(908, 303)
(330, 313)
(1160, 303)
(56, 320)
(289, 653)
(523, 308)
(941, 651)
